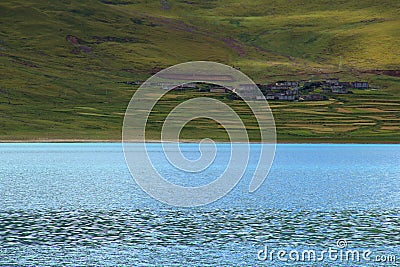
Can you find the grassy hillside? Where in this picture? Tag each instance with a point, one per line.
(63, 63)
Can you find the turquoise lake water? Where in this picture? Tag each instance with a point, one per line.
(77, 204)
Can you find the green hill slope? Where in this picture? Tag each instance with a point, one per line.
(63, 63)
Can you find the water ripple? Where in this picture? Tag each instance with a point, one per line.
(193, 228)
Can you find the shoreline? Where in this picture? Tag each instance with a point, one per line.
(16, 141)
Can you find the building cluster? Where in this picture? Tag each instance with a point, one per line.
(281, 90)
(304, 90)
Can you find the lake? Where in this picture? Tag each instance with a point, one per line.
(77, 204)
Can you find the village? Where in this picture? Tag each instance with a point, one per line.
(297, 90)
(303, 90)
